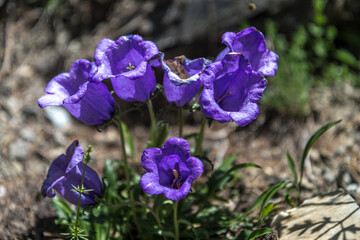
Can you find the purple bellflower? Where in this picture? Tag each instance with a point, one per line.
(181, 78)
(231, 90)
(170, 170)
(88, 101)
(66, 171)
(251, 43)
(126, 62)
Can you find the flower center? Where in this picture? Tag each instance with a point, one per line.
(176, 182)
(130, 67)
(220, 99)
(176, 65)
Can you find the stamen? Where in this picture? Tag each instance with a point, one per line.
(219, 100)
(176, 182)
(130, 67)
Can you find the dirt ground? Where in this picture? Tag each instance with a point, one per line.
(30, 139)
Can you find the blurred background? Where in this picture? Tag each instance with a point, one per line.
(318, 42)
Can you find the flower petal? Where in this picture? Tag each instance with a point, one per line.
(252, 44)
(150, 183)
(178, 194)
(176, 146)
(139, 89)
(150, 158)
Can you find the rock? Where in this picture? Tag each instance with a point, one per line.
(28, 134)
(58, 116)
(18, 149)
(331, 216)
(353, 187)
(2, 191)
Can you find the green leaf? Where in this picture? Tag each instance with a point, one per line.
(311, 142)
(265, 196)
(287, 195)
(219, 178)
(259, 232)
(226, 164)
(244, 234)
(346, 57)
(242, 165)
(63, 210)
(271, 193)
(186, 222)
(291, 164)
(267, 209)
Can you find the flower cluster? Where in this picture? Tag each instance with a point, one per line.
(231, 87)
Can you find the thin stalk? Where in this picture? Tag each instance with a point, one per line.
(176, 221)
(123, 150)
(180, 122)
(78, 207)
(198, 149)
(152, 119)
(134, 203)
(127, 172)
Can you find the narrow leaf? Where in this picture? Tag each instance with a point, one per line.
(267, 209)
(186, 222)
(263, 198)
(271, 193)
(220, 178)
(291, 164)
(311, 142)
(288, 197)
(227, 162)
(259, 232)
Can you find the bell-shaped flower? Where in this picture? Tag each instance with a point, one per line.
(251, 43)
(181, 78)
(126, 62)
(170, 170)
(66, 172)
(88, 101)
(231, 90)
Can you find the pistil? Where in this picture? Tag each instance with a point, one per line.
(219, 100)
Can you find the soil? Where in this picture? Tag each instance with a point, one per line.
(37, 46)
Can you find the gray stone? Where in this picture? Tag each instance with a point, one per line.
(2, 191)
(333, 216)
(27, 134)
(18, 149)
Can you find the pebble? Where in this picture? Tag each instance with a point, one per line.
(18, 149)
(329, 176)
(340, 151)
(58, 116)
(353, 187)
(13, 105)
(27, 134)
(2, 191)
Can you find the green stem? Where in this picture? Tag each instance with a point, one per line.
(181, 122)
(123, 150)
(78, 207)
(176, 221)
(152, 119)
(198, 149)
(127, 172)
(134, 203)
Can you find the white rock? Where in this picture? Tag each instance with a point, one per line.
(58, 116)
(334, 215)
